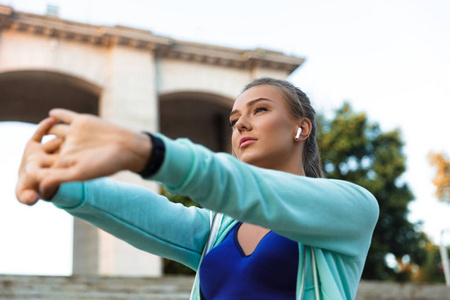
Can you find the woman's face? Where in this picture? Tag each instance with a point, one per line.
(263, 129)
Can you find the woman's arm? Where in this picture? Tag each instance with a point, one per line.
(330, 214)
(138, 216)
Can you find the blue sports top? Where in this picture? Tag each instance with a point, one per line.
(270, 272)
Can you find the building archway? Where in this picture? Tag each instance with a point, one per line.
(201, 117)
(28, 95)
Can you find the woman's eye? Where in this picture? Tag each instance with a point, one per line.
(260, 109)
(233, 122)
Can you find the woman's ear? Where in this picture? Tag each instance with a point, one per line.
(303, 130)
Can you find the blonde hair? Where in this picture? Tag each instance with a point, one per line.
(300, 107)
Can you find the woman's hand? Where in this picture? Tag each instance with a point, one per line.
(92, 148)
(36, 158)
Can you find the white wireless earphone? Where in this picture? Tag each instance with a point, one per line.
(299, 131)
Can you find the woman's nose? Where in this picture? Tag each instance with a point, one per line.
(243, 124)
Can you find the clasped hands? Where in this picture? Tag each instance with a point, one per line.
(85, 147)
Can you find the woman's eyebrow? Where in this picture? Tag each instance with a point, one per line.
(250, 103)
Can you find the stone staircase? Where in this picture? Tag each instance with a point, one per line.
(175, 288)
(381, 290)
(80, 288)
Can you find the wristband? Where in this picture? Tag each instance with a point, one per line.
(156, 156)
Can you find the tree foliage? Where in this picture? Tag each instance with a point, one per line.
(171, 266)
(442, 178)
(357, 150)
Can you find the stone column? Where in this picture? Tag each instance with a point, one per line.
(129, 99)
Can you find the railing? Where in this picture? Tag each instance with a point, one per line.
(444, 256)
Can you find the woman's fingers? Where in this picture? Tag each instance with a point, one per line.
(52, 178)
(26, 189)
(48, 160)
(59, 161)
(63, 115)
(60, 130)
(49, 192)
(43, 129)
(38, 158)
(28, 196)
(53, 145)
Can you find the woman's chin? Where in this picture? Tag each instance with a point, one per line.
(252, 159)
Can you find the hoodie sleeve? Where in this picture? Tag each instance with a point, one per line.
(325, 213)
(138, 216)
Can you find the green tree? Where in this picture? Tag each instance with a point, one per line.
(171, 266)
(357, 150)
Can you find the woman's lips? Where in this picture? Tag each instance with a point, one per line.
(245, 141)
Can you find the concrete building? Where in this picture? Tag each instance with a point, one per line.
(131, 77)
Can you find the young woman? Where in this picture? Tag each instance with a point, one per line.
(279, 230)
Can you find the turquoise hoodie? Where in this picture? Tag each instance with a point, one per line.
(333, 217)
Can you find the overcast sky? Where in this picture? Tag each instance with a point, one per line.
(389, 59)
